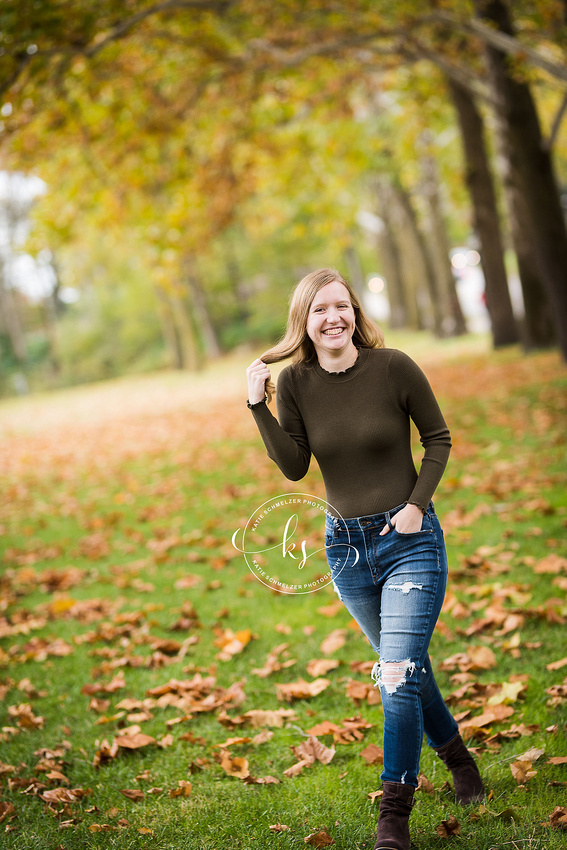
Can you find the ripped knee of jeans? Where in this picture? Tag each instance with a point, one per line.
(391, 675)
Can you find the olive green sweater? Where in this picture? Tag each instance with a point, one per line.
(357, 425)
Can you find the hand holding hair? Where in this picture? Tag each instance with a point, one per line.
(257, 375)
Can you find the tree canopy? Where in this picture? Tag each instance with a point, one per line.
(193, 133)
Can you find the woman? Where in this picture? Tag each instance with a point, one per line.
(348, 401)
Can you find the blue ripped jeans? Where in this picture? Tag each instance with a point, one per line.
(394, 586)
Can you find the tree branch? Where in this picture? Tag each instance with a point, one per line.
(556, 124)
(475, 85)
(502, 41)
(123, 28)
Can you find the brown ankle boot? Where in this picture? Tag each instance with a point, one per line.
(395, 809)
(466, 778)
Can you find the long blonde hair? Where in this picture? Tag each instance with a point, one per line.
(295, 342)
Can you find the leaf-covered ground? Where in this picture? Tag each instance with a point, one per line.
(155, 694)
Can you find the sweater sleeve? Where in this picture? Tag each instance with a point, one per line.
(416, 395)
(285, 440)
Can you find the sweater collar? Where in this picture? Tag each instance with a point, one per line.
(346, 374)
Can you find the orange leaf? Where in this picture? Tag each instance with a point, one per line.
(320, 666)
(314, 750)
(183, 789)
(296, 769)
(257, 717)
(423, 784)
(232, 765)
(301, 689)
(133, 794)
(319, 839)
(373, 754)
(64, 795)
(279, 827)
(556, 665)
(260, 780)
(331, 610)
(522, 771)
(493, 715)
(134, 739)
(335, 640)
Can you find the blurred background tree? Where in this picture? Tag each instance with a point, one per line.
(196, 158)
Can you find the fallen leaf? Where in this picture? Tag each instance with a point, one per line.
(183, 789)
(134, 741)
(320, 666)
(508, 693)
(6, 810)
(106, 753)
(424, 784)
(375, 795)
(133, 794)
(262, 737)
(448, 828)
(532, 755)
(301, 689)
(319, 839)
(273, 664)
(312, 749)
(65, 795)
(522, 771)
(231, 742)
(25, 718)
(297, 768)
(335, 640)
(231, 643)
(331, 610)
(373, 754)
(558, 817)
(362, 692)
(257, 717)
(232, 765)
(557, 760)
(556, 665)
(279, 827)
(492, 715)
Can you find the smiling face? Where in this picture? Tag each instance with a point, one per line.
(331, 320)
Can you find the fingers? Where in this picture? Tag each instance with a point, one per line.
(258, 367)
(386, 529)
(257, 374)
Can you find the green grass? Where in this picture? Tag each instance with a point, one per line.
(124, 488)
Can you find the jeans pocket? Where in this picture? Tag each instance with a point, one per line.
(426, 528)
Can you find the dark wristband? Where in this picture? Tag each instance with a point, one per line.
(256, 403)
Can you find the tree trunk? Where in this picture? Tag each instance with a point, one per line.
(355, 271)
(388, 249)
(169, 330)
(10, 318)
(421, 283)
(426, 260)
(185, 329)
(532, 168)
(201, 313)
(486, 218)
(453, 322)
(538, 327)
